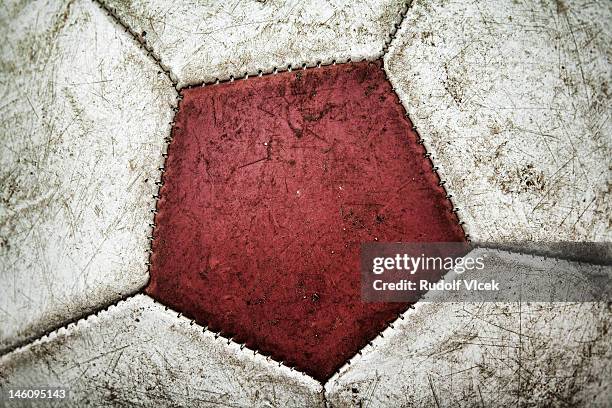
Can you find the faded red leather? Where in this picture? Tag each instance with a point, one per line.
(271, 185)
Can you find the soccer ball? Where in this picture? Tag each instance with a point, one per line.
(186, 188)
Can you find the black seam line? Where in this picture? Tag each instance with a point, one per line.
(160, 185)
(326, 403)
(67, 324)
(140, 40)
(316, 64)
(279, 70)
(396, 26)
(441, 183)
(228, 339)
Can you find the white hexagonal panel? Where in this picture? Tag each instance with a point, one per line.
(512, 100)
(84, 117)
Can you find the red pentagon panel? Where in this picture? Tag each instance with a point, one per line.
(271, 185)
